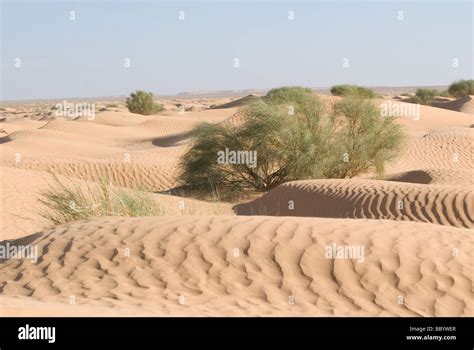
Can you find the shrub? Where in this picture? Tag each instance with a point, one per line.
(287, 94)
(294, 138)
(142, 102)
(65, 202)
(352, 91)
(424, 96)
(461, 88)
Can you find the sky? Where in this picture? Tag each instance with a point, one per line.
(47, 52)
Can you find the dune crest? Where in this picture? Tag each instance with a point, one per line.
(366, 199)
(464, 104)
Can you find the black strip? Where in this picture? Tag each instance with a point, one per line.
(373, 332)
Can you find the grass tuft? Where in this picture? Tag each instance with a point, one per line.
(65, 202)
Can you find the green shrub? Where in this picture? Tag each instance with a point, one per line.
(142, 102)
(294, 138)
(352, 91)
(461, 88)
(424, 96)
(286, 94)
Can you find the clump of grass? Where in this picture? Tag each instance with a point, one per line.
(66, 202)
(352, 91)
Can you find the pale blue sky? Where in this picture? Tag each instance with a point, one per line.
(85, 58)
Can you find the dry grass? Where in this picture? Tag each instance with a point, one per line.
(67, 201)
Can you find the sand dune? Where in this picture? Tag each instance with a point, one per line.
(19, 206)
(435, 118)
(245, 266)
(460, 178)
(372, 199)
(142, 152)
(240, 102)
(446, 155)
(21, 124)
(464, 105)
(119, 119)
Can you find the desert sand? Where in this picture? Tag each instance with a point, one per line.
(255, 257)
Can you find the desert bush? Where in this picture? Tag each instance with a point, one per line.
(294, 138)
(287, 94)
(461, 88)
(352, 91)
(424, 96)
(64, 202)
(142, 102)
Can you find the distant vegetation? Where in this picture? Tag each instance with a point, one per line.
(294, 137)
(444, 93)
(142, 102)
(65, 202)
(352, 91)
(457, 89)
(461, 88)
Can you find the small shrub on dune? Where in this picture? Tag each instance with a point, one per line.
(65, 202)
(288, 94)
(346, 90)
(293, 138)
(461, 88)
(142, 102)
(424, 96)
